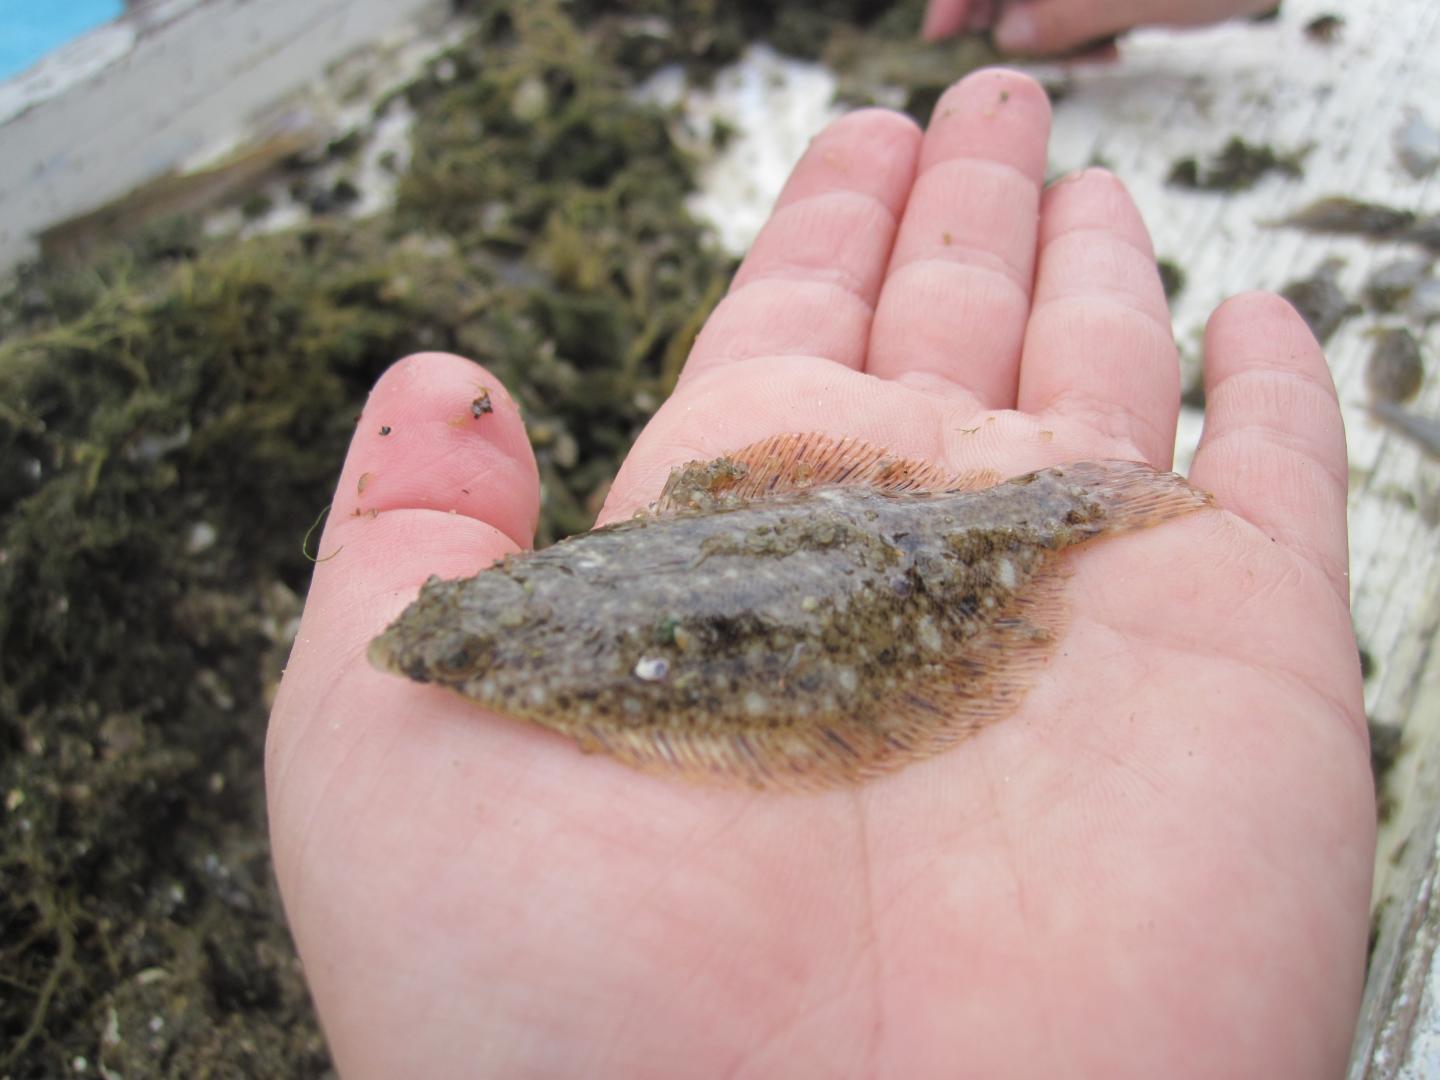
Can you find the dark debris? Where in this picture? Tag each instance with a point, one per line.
(1320, 301)
(1238, 166)
(1325, 29)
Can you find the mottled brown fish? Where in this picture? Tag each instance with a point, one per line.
(804, 613)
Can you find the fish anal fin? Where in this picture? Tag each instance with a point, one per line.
(981, 683)
(796, 462)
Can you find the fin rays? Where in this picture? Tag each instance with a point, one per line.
(982, 683)
(784, 463)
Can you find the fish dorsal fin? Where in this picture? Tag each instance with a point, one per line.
(796, 462)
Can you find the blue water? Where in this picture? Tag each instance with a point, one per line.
(31, 28)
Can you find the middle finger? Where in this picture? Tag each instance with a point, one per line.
(956, 296)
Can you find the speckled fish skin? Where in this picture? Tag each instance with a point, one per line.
(800, 639)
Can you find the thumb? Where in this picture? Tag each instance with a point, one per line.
(433, 484)
(438, 434)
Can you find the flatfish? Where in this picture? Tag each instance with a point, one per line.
(804, 613)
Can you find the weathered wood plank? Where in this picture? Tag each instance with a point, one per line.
(171, 83)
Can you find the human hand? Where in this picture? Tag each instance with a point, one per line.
(1158, 866)
(1053, 26)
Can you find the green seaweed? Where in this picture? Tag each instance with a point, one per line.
(1340, 215)
(1386, 745)
(159, 450)
(1172, 277)
(1238, 166)
(1320, 300)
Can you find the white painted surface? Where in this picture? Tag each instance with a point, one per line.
(132, 101)
(774, 106)
(1420, 1057)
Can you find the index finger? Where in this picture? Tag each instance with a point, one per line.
(809, 284)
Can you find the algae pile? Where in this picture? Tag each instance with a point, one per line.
(173, 414)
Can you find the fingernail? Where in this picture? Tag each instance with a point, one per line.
(1016, 30)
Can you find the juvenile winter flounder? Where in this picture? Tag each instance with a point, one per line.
(804, 613)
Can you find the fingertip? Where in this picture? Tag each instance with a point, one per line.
(943, 18)
(1096, 176)
(871, 136)
(868, 152)
(1089, 198)
(1263, 330)
(1256, 303)
(988, 88)
(440, 432)
(997, 114)
(903, 124)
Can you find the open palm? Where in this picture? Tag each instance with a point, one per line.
(1159, 866)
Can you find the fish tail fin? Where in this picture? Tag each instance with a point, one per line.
(1132, 495)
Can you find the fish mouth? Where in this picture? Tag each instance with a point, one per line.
(394, 651)
(384, 653)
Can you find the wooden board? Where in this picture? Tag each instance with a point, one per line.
(173, 84)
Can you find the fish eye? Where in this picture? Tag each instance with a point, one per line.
(459, 661)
